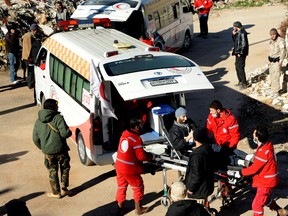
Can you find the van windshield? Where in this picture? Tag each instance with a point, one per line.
(132, 4)
(144, 63)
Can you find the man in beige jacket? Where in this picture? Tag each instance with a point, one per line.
(27, 40)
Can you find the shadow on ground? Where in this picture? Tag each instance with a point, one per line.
(110, 209)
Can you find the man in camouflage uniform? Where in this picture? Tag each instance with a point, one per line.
(49, 135)
(276, 56)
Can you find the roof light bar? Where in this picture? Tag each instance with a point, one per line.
(155, 49)
(105, 22)
(65, 25)
(111, 53)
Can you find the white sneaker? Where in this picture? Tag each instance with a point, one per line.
(15, 82)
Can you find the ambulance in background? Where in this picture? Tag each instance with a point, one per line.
(168, 24)
(99, 75)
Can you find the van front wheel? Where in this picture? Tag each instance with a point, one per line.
(82, 151)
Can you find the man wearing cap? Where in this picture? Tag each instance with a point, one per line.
(240, 51)
(276, 56)
(181, 132)
(27, 40)
(199, 177)
(12, 48)
(182, 206)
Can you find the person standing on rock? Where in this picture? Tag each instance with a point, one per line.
(240, 51)
(49, 135)
(276, 56)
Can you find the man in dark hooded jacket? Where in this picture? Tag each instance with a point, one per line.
(49, 135)
(199, 177)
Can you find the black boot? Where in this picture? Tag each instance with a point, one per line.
(139, 209)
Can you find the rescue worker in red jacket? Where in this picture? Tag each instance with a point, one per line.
(203, 8)
(129, 166)
(223, 125)
(264, 172)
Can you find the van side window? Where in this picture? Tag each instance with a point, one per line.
(164, 17)
(176, 11)
(41, 59)
(157, 19)
(68, 79)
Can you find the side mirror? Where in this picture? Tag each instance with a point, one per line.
(186, 9)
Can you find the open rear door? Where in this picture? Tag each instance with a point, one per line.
(169, 74)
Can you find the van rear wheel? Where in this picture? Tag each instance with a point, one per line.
(82, 151)
(187, 40)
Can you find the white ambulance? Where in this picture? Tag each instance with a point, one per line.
(101, 76)
(168, 24)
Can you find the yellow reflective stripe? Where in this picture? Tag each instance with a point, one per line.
(271, 176)
(132, 139)
(70, 58)
(263, 160)
(125, 162)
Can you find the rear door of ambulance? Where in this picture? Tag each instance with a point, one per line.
(153, 74)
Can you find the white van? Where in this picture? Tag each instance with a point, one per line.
(100, 76)
(169, 23)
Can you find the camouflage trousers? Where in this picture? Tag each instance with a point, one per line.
(52, 163)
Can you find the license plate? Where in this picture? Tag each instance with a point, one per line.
(162, 82)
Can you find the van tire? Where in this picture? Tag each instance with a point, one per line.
(82, 151)
(187, 40)
(43, 99)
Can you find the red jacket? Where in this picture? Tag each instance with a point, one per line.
(207, 4)
(225, 129)
(264, 167)
(130, 154)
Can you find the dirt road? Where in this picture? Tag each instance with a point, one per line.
(24, 176)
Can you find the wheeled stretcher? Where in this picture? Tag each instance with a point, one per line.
(227, 184)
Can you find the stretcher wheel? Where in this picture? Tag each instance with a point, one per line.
(213, 212)
(165, 201)
(226, 201)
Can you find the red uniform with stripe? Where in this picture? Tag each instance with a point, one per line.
(129, 165)
(265, 176)
(225, 129)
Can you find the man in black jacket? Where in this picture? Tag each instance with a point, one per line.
(240, 50)
(199, 177)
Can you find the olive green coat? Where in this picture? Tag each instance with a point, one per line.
(51, 141)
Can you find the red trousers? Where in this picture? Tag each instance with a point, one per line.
(260, 200)
(135, 182)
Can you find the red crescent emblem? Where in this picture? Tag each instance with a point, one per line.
(102, 92)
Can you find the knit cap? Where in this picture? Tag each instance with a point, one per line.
(180, 111)
(34, 26)
(178, 191)
(237, 24)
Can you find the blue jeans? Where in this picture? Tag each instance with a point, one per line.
(12, 62)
